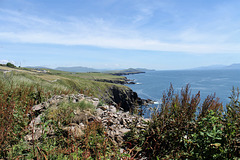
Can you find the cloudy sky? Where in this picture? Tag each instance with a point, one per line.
(155, 34)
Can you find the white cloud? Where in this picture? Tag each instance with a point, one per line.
(6, 61)
(101, 33)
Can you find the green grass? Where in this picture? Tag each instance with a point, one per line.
(62, 81)
(64, 112)
(20, 89)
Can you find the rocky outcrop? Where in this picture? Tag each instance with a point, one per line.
(126, 73)
(118, 123)
(115, 121)
(122, 97)
(122, 81)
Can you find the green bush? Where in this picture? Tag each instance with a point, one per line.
(177, 132)
(208, 140)
(10, 65)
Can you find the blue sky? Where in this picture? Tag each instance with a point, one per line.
(155, 34)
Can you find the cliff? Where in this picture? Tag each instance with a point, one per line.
(122, 97)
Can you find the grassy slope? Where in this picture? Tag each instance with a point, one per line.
(60, 80)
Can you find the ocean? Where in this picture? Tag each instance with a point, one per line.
(152, 84)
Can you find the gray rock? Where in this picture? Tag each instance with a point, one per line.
(95, 99)
(99, 111)
(36, 121)
(95, 103)
(34, 136)
(124, 130)
(38, 107)
(113, 109)
(74, 130)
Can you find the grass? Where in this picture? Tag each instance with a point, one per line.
(174, 132)
(60, 80)
(64, 112)
(21, 89)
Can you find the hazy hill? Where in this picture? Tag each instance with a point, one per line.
(125, 71)
(86, 69)
(79, 69)
(219, 67)
(234, 66)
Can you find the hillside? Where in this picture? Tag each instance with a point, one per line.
(125, 71)
(113, 72)
(100, 85)
(78, 69)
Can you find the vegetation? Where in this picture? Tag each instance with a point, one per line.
(181, 128)
(21, 89)
(177, 131)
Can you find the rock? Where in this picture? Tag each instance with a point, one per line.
(113, 109)
(99, 111)
(83, 117)
(74, 130)
(34, 136)
(124, 97)
(124, 130)
(95, 103)
(116, 123)
(38, 107)
(95, 99)
(45, 104)
(36, 121)
(104, 108)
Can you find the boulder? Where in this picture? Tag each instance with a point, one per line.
(75, 130)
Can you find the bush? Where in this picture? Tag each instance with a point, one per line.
(171, 124)
(10, 65)
(177, 132)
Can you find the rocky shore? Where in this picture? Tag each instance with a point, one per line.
(115, 120)
(118, 81)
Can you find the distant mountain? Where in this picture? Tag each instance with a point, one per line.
(125, 71)
(87, 69)
(213, 67)
(79, 69)
(234, 66)
(37, 67)
(145, 69)
(219, 67)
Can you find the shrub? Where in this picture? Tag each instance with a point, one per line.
(173, 124)
(10, 65)
(208, 140)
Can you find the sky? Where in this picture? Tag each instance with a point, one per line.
(116, 34)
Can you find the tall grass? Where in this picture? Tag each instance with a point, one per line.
(18, 93)
(17, 96)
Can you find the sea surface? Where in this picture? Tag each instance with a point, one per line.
(152, 84)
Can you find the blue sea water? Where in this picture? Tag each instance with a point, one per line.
(152, 84)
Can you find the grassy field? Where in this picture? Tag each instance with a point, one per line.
(59, 80)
